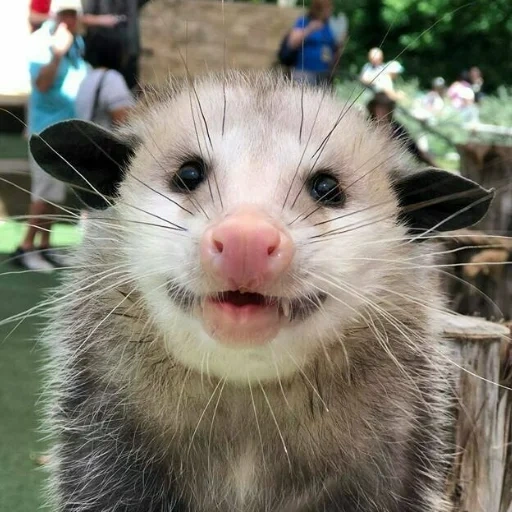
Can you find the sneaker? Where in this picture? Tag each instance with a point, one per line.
(56, 257)
(31, 260)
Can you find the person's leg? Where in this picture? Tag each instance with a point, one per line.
(37, 224)
(45, 191)
(55, 193)
(40, 206)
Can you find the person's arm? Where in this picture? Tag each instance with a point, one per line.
(117, 98)
(37, 18)
(367, 75)
(298, 34)
(91, 18)
(47, 74)
(100, 20)
(120, 115)
(62, 41)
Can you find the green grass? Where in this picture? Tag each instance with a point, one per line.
(13, 146)
(11, 233)
(20, 384)
(21, 480)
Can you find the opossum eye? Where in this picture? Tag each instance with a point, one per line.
(326, 189)
(189, 176)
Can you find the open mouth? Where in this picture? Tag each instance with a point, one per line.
(245, 302)
(241, 319)
(292, 309)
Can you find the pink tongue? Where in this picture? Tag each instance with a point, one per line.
(242, 320)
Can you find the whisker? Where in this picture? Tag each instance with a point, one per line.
(224, 77)
(55, 205)
(105, 153)
(208, 461)
(411, 208)
(277, 427)
(258, 426)
(192, 437)
(104, 197)
(303, 373)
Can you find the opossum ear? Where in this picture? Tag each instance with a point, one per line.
(434, 200)
(84, 155)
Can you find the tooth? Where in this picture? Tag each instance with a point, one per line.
(285, 306)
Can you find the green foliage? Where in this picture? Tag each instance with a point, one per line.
(497, 109)
(445, 130)
(433, 37)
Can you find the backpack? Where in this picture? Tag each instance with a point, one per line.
(286, 56)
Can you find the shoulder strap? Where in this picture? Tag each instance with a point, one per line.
(97, 95)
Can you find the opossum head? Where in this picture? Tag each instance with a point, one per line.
(258, 219)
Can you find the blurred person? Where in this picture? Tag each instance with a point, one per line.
(380, 77)
(39, 12)
(57, 68)
(477, 81)
(103, 96)
(381, 109)
(124, 16)
(386, 81)
(460, 92)
(433, 101)
(462, 98)
(428, 108)
(317, 45)
(373, 69)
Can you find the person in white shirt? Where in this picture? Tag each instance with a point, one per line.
(104, 97)
(373, 70)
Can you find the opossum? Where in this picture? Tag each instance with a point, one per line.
(252, 320)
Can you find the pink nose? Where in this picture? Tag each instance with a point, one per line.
(245, 250)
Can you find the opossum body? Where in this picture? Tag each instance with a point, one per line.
(251, 323)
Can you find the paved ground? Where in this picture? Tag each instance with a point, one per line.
(12, 147)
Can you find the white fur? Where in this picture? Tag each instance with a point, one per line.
(254, 164)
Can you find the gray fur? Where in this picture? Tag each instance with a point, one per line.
(360, 426)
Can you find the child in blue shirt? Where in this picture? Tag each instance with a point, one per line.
(57, 69)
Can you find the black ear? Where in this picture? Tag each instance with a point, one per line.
(86, 156)
(434, 200)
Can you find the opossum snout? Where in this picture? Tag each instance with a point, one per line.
(246, 250)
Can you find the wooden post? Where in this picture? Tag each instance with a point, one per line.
(482, 472)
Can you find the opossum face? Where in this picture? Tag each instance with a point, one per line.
(261, 220)
(266, 264)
